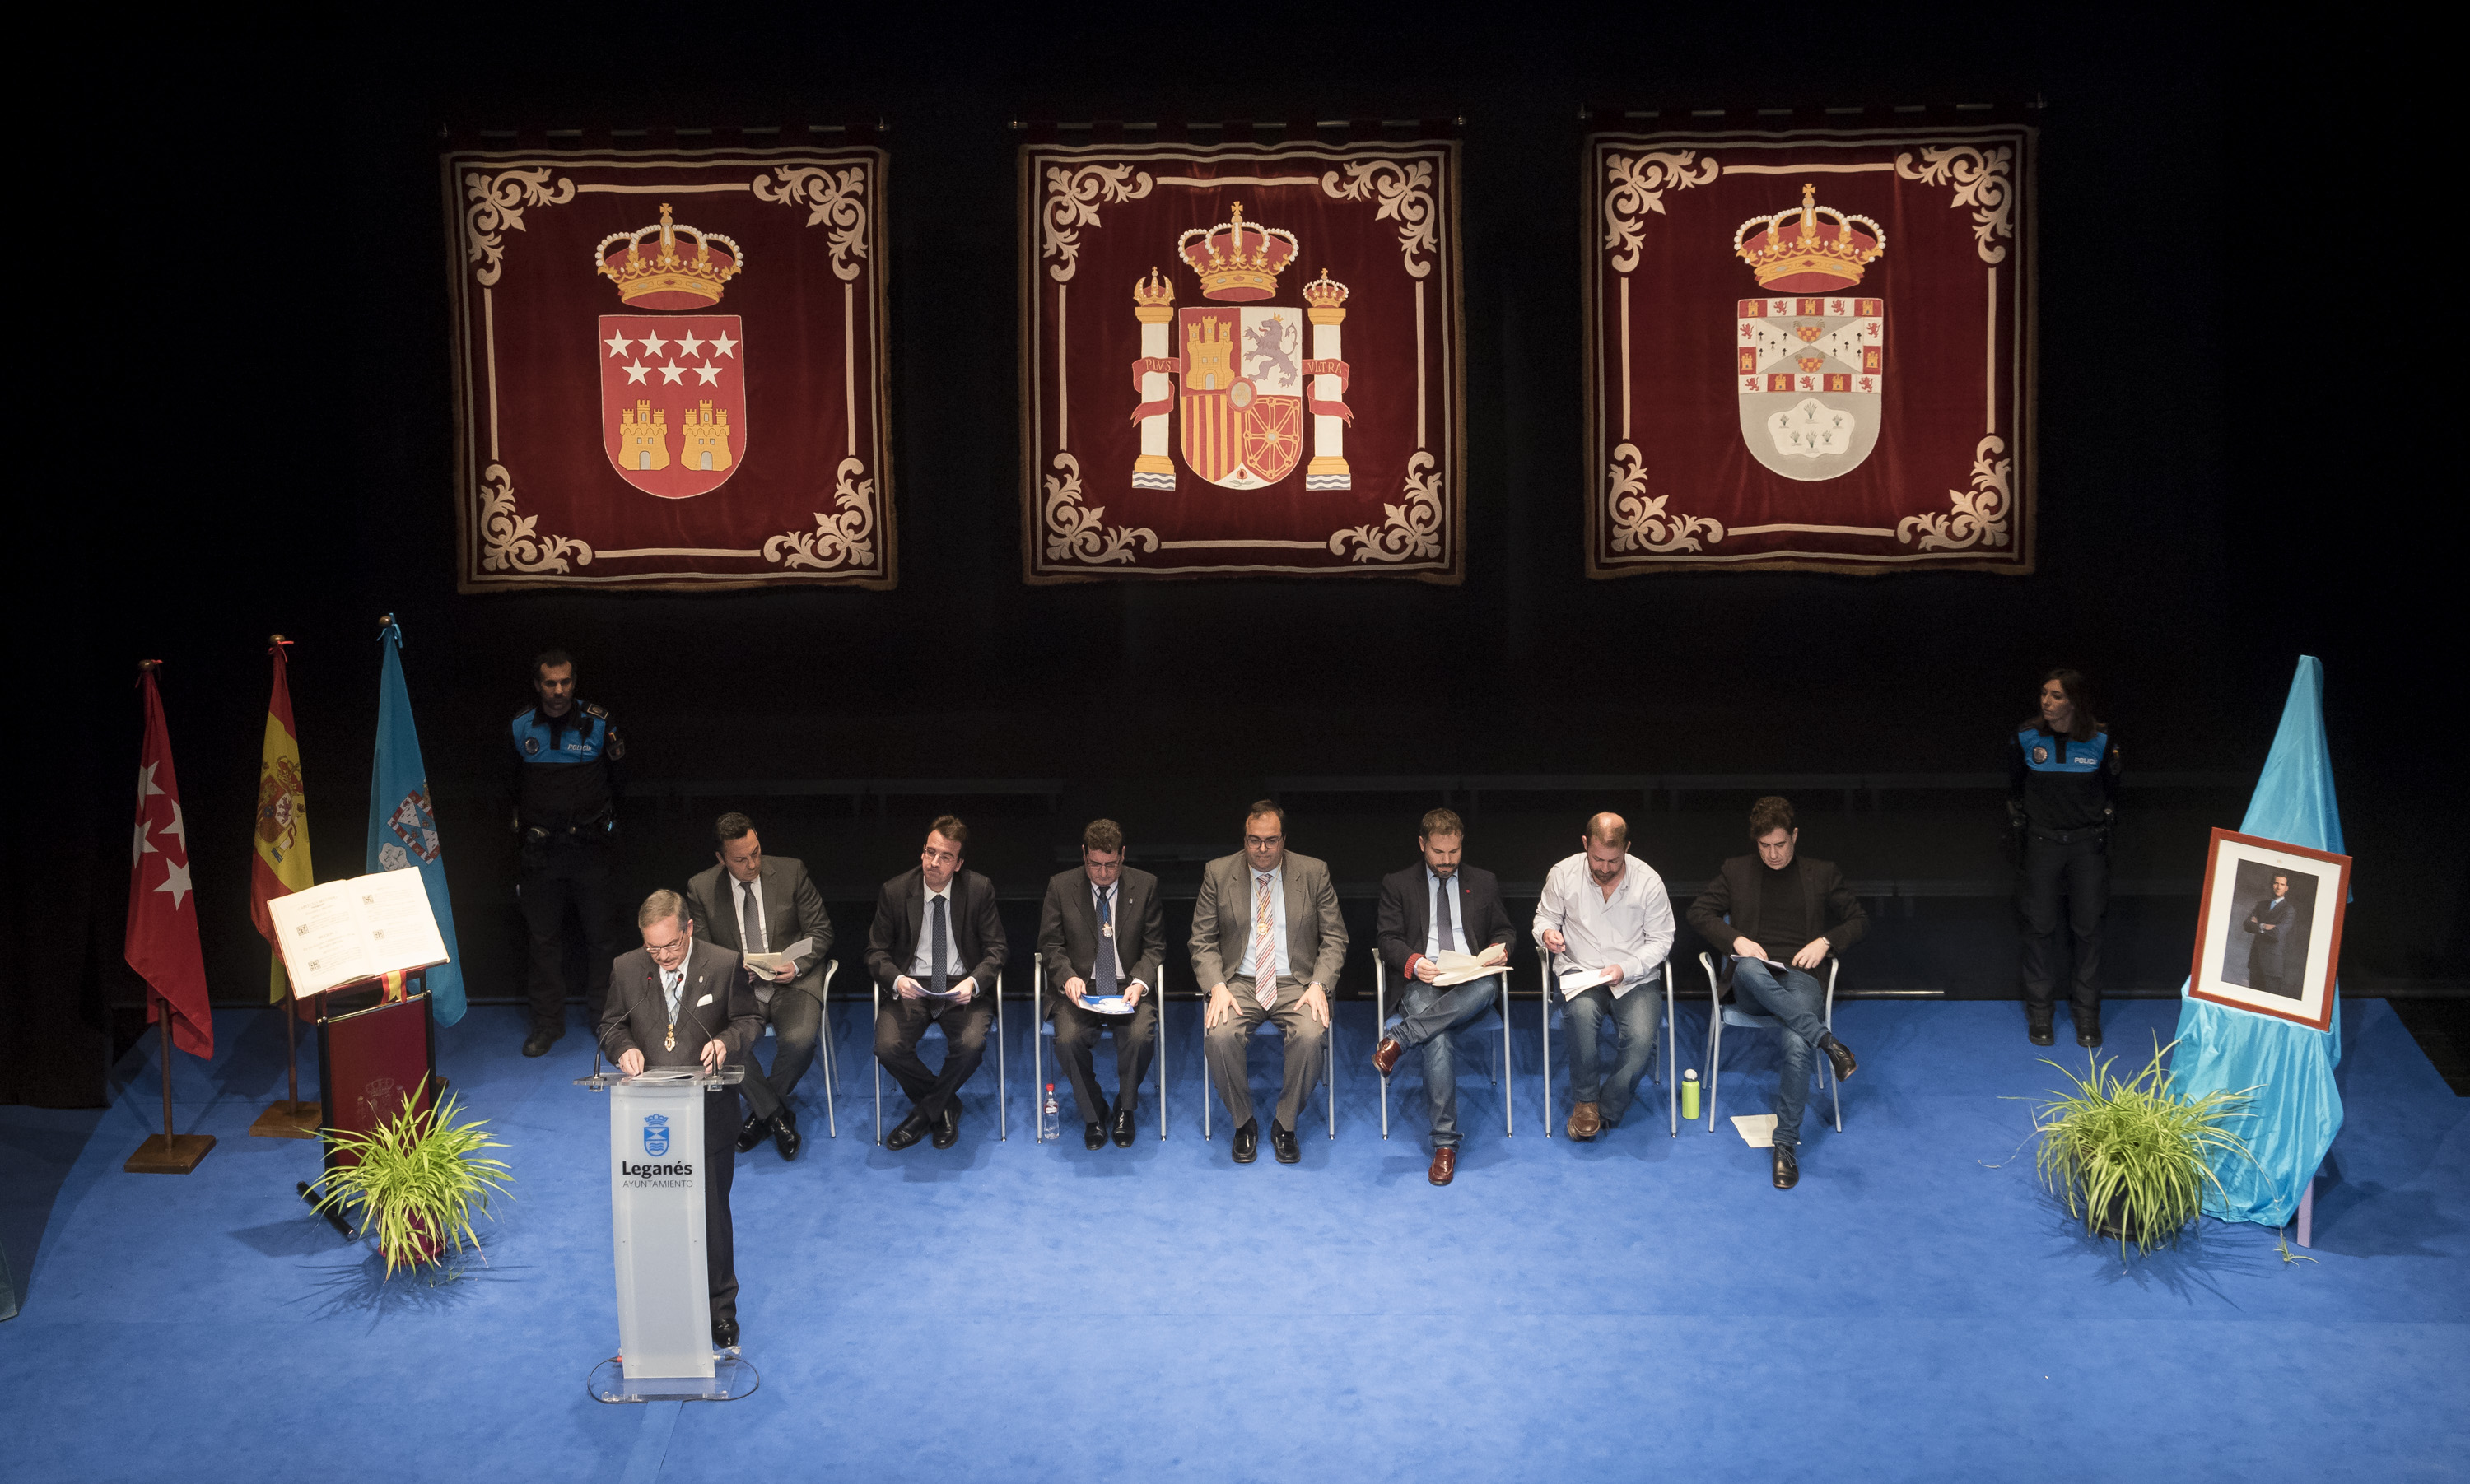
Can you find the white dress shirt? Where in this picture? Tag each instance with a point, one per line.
(1277, 922)
(921, 966)
(1634, 929)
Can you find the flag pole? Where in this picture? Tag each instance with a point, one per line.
(166, 1152)
(289, 1119)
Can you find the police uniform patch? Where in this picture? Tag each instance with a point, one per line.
(531, 747)
(2040, 754)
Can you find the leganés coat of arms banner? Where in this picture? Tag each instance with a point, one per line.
(1810, 348)
(1241, 360)
(669, 368)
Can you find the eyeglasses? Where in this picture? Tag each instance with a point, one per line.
(675, 947)
(1264, 842)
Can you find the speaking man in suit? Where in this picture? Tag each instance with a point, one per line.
(679, 1003)
(754, 903)
(1102, 932)
(1267, 940)
(1777, 907)
(2277, 952)
(1440, 906)
(938, 945)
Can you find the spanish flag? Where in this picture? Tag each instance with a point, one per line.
(282, 817)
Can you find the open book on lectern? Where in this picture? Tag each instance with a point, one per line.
(347, 931)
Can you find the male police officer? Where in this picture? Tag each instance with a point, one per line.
(569, 771)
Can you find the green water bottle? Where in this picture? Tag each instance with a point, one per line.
(1689, 1094)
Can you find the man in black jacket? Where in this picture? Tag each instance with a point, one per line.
(938, 945)
(1101, 933)
(750, 902)
(567, 777)
(1772, 918)
(1440, 906)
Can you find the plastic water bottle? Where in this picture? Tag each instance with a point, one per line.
(1049, 1118)
(1689, 1094)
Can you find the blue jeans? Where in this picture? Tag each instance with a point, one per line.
(1796, 1000)
(1638, 1013)
(1428, 1016)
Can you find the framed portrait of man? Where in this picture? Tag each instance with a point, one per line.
(2270, 940)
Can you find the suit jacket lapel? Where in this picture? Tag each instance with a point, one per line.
(1299, 914)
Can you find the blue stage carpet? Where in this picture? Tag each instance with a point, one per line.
(1641, 1308)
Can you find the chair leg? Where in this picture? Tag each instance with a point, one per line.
(832, 1089)
(1329, 1073)
(1546, 1019)
(1003, 1086)
(1671, 1057)
(1715, 1061)
(1161, 1050)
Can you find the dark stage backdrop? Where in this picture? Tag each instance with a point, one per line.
(271, 342)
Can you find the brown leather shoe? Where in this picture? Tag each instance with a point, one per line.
(1585, 1122)
(1445, 1167)
(1384, 1056)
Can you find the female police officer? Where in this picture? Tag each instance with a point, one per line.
(2061, 795)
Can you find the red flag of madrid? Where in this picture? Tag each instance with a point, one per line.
(162, 942)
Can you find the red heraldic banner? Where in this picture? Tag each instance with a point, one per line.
(669, 369)
(1810, 348)
(1242, 360)
(161, 940)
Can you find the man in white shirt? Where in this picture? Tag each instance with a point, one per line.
(938, 945)
(1607, 921)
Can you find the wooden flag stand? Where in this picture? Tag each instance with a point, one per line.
(291, 1118)
(168, 1153)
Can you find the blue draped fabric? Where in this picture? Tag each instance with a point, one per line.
(2297, 1108)
(402, 821)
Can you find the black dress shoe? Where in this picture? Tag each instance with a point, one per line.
(909, 1131)
(1839, 1056)
(537, 1044)
(2088, 1028)
(724, 1333)
(1123, 1128)
(784, 1135)
(747, 1137)
(1247, 1143)
(1283, 1140)
(947, 1129)
(1093, 1136)
(2036, 1025)
(1788, 1170)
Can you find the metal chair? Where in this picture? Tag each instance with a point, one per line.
(1380, 1019)
(935, 1027)
(1046, 1032)
(830, 1053)
(1671, 1080)
(1722, 1015)
(1269, 1026)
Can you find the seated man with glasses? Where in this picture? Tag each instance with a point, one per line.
(1783, 906)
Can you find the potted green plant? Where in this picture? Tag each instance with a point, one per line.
(416, 1180)
(2130, 1157)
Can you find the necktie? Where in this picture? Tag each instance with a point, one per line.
(939, 950)
(673, 983)
(750, 920)
(1105, 946)
(1265, 948)
(1444, 932)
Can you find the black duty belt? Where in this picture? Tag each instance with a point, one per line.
(2070, 836)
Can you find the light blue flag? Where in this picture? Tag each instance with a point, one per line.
(403, 823)
(2297, 1108)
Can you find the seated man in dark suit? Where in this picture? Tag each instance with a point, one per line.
(938, 945)
(679, 1003)
(757, 903)
(1102, 934)
(1440, 906)
(1781, 903)
(2277, 952)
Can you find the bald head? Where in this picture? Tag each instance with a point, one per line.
(1610, 829)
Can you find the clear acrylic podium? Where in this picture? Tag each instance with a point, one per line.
(655, 1208)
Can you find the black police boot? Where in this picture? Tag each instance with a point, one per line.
(2088, 1026)
(2037, 1024)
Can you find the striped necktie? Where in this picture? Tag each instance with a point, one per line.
(1265, 947)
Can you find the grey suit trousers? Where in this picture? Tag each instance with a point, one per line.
(1224, 1045)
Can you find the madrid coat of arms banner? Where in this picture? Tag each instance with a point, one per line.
(669, 369)
(1810, 349)
(1241, 360)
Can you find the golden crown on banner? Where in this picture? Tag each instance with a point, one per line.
(1796, 252)
(1324, 292)
(1236, 260)
(665, 278)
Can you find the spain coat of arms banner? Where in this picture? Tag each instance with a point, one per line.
(669, 369)
(1241, 361)
(1810, 349)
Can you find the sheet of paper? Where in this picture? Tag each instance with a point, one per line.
(1112, 1005)
(1756, 1129)
(768, 965)
(1459, 968)
(402, 930)
(1573, 979)
(323, 941)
